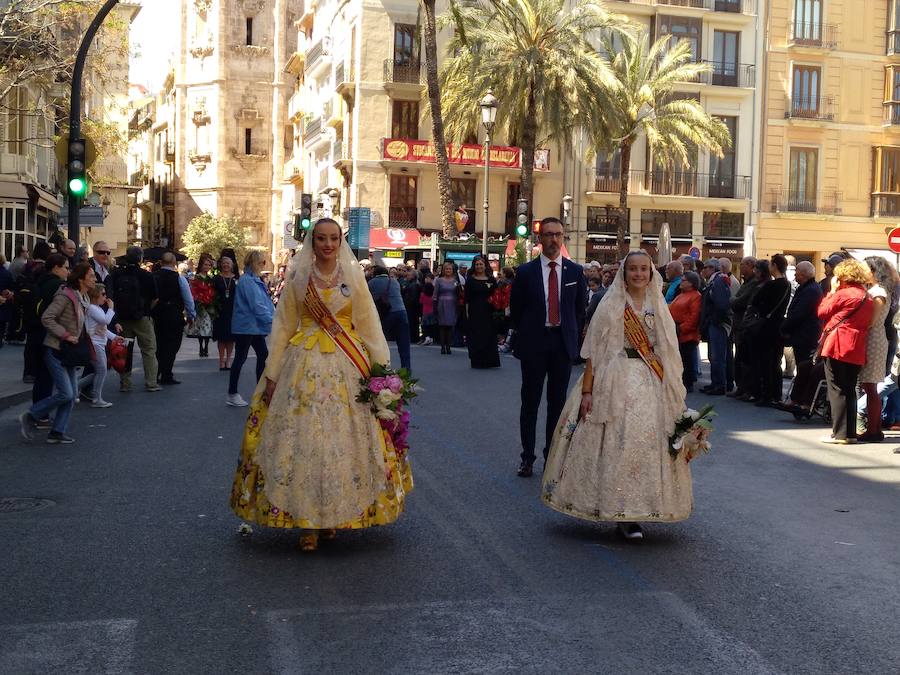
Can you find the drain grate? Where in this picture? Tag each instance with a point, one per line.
(19, 504)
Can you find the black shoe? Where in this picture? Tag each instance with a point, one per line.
(525, 470)
(713, 391)
(170, 380)
(55, 437)
(27, 425)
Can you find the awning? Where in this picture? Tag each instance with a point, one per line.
(13, 190)
(394, 238)
(44, 199)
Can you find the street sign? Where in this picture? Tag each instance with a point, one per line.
(894, 240)
(694, 253)
(88, 216)
(360, 222)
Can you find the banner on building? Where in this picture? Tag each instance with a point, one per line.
(411, 150)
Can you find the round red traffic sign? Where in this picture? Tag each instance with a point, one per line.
(894, 240)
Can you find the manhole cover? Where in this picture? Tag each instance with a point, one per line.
(18, 504)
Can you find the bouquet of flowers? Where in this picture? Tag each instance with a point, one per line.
(204, 295)
(388, 392)
(691, 435)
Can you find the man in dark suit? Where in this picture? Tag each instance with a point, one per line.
(547, 306)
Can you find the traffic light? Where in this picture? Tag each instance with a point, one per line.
(522, 218)
(305, 211)
(77, 177)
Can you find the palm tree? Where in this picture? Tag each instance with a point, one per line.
(437, 120)
(536, 57)
(638, 100)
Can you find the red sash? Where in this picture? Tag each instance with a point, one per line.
(332, 327)
(634, 331)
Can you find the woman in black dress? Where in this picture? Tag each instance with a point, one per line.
(224, 284)
(481, 335)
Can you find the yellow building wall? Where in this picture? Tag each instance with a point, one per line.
(853, 75)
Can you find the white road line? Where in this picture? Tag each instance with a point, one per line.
(103, 646)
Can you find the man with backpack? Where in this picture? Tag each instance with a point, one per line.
(134, 293)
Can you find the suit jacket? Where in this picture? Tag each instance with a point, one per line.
(528, 308)
(802, 326)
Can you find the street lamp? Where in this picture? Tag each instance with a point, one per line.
(488, 116)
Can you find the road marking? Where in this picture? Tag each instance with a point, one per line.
(105, 646)
(626, 632)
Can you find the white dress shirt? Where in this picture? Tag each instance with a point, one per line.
(545, 273)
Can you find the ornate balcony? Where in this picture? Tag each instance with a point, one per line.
(885, 205)
(813, 35)
(790, 200)
(403, 73)
(810, 108)
(402, 216)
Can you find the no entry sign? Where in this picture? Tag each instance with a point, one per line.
(894, 240)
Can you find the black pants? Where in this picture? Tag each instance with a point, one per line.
(168, 342)
(841, 379)
(553, 365)
(242, 344)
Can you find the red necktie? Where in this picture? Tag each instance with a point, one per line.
(553, 299)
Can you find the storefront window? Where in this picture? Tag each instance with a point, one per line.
(718, 224)
(679, 221)
(12, 230)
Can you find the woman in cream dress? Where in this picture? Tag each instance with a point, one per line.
(313, 457)
(609, 460)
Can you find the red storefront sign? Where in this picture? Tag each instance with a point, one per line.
(393, 238)
(411, 150)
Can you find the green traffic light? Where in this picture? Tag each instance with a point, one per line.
(521, 230)
(77, 186)
(306, 223)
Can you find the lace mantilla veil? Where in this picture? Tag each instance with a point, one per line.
(365, 316)
(606, 338)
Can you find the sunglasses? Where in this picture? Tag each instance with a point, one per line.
(102, 252)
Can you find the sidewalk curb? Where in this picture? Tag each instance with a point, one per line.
(15, 398)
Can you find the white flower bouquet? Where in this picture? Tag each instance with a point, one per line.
(691, 435)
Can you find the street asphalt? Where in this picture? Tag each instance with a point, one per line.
(789, 564)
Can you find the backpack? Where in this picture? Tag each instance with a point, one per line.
(127, 295)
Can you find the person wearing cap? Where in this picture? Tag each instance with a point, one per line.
(715, 326)
(831, 262)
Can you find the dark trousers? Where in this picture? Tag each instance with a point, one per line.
(688, 351)
(553, 365)
(412, 314)
(841, 379)
(242, 344)
(396, 327)
(34, 354)
(168, 342)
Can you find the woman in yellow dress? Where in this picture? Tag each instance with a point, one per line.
(313, 457)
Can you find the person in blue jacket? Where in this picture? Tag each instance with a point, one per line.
(251, 322)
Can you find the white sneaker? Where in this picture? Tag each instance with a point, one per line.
(100, 403)
(428, 341)
(236, 401)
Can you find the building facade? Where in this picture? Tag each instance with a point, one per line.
(708, 204)
(363, 137)
(831, 140)
(230, 129)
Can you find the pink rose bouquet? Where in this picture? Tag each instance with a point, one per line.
(388, 393)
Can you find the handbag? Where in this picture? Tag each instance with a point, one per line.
(857, 335)
(754, 322)
(76, 355)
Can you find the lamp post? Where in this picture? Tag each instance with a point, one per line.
(488, 117)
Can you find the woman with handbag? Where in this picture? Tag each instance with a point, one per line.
(67, 348)
(99, 315)
(847, 314)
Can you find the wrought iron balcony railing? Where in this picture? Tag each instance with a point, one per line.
(312, 128)
(892, 43)
(885, 205)
(408, 72)
(813, 34)
(731, 6)
(726, 74)
(793, 200)
(677, 183)
(810, 108)
(892, 113)
(402, 216)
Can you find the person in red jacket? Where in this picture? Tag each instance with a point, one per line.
(846, 313)
(685, 310)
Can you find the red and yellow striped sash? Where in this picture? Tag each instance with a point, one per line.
(328, 323)
(634, 331)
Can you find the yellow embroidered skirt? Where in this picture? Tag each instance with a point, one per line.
(316, 458)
